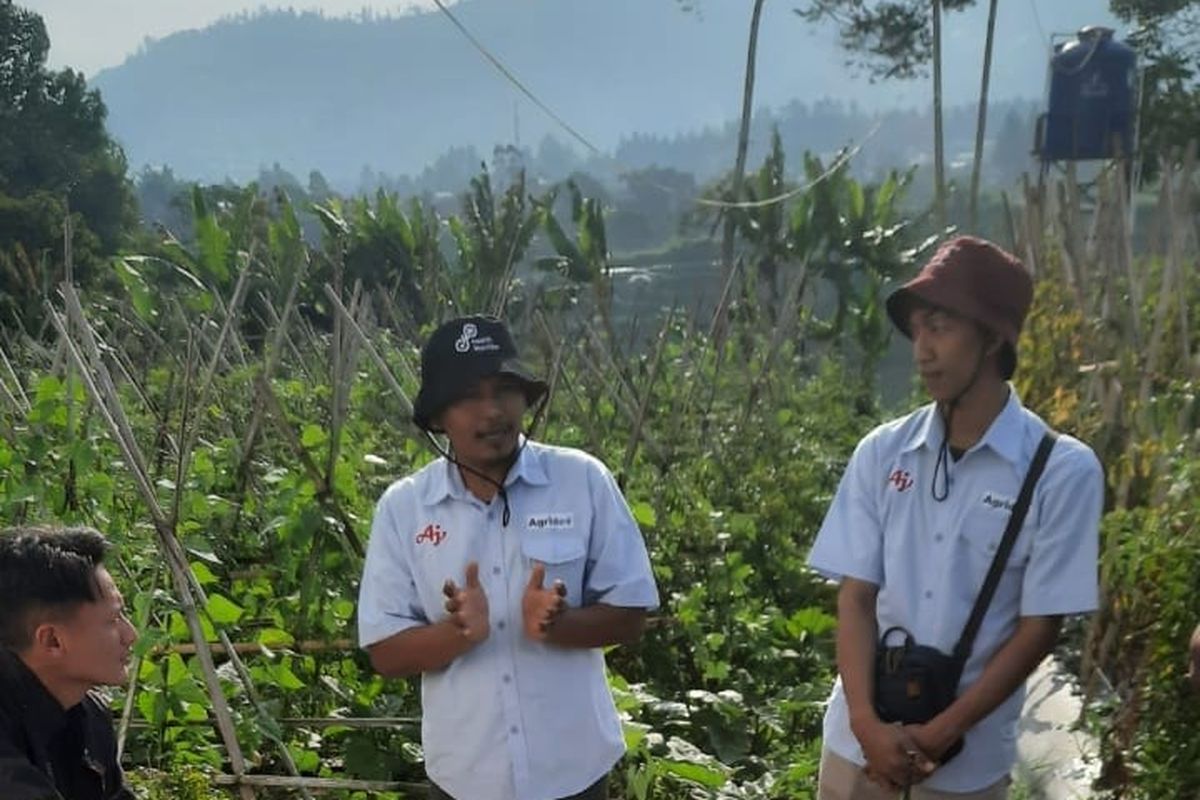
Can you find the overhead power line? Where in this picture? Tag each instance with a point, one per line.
(515, 81)
(511, 77)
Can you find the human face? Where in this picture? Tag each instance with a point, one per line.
(484, 425)
(96, 640)
(949, 351)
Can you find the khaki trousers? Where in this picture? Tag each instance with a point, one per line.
(597, 791)
(844, 780)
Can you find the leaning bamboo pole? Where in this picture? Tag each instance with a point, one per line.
(104, 393)
(175, 561)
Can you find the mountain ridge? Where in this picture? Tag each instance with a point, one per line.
(391, 93)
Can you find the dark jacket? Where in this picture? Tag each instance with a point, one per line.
(51, 753)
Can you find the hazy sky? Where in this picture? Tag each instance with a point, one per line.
(89, 35)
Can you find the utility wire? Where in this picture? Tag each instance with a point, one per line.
(515, 81)
(1037, 19)
(838, 163)
(566, 126)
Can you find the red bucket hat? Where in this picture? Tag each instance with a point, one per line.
(975, 279)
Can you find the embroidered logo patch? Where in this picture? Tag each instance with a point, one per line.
(998, 502)
(432, 534)
(470, 339)
(900, 479)
(553, 520)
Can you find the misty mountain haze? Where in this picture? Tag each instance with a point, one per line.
(393, 93)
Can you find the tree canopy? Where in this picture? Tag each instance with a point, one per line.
(56, 157)
(1166, 34)
(887, 38)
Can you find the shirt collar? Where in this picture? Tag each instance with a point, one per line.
(41, 714)
(1004, 435)
(927, 432)
(445, 481)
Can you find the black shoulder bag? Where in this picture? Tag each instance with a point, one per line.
(914, 682)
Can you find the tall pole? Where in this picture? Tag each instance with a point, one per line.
(739, 169)
(939, 155)
(981, 123)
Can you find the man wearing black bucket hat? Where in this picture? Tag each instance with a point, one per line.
(932, 664)
(497, 573)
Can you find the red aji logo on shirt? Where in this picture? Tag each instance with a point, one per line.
(433, 534)
(900, 479)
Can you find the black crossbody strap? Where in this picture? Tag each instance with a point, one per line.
(965, 642)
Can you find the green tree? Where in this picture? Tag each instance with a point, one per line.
(898, 39)
(56, 158)
(1166, 34)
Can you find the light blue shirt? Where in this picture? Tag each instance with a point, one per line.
(512, 719)
(929, 558)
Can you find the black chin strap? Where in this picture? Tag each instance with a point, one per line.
(942, 467)
(506, 515)
(445, 453)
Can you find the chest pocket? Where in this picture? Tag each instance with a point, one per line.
(564, 552)
(982, 531)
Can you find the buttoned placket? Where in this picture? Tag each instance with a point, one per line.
(943, 513)
(498, 541)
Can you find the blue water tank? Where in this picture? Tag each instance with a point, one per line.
(1092, 99)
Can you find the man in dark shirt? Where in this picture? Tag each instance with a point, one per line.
(63, 631)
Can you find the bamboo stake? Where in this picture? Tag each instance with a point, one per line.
(728, 266)
(787, 319)
(384, 369)
(177, 565)
(626, 410)
(324, 491)
(1183, 206)
(258, 648)
(320, 784)
(276, 322)
(560, 351)
(344, 351)
(647, 395)
(136, 669)
(19, 390)
(1125, 254)
(358, 723)
(167, 537)
(1165, 297)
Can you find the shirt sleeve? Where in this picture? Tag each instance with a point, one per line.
(850, 542)
(388, 602)
(1062, 574)
(618, 567)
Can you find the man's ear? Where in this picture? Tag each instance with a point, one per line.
(47, 638)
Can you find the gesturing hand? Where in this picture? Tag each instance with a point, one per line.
(539, 605)
(468, 606)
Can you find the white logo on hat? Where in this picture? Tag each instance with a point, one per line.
(469, 332)
(471, 341)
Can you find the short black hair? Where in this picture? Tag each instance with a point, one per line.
(45, 569)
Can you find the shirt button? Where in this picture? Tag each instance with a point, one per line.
(513, 730)
(508, 678)
(928, 595)
(495, 570)
(501, 624)
(937, 537)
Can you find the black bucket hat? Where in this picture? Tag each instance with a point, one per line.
(458, 355)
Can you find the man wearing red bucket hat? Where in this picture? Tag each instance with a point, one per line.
(961, 535)
(497, 573)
